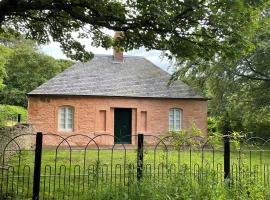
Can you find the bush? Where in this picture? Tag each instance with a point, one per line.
(212, 125)
(9, 114)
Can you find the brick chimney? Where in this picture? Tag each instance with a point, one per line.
(117, 53)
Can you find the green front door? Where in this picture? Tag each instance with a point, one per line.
(122, 126)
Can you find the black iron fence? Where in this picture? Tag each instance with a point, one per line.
(70, 170)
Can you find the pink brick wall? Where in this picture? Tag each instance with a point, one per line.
(149, 116)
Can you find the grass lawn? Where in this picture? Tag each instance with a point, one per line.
(69, 174)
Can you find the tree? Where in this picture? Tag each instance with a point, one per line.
(3, 59)
(26, 69)
(239, 88)
(188, 29)
(4, 55)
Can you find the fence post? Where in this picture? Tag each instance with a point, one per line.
(226, 158)
(19, 118)
(37, 167)
(140, 156)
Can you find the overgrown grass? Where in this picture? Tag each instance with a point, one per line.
(184, 188)
(108, 174)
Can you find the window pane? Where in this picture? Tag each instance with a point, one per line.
(66, 118)
(175, 119)
(171, 117)
(62, 111)
(62, 120)
(63, 126)
(63, 114)
(171, 122)
(69, 121)
(69, 111)
(69, 126)
(177, 114)
(177, 124)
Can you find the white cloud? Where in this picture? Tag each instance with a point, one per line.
(53, 49)
(154, 56)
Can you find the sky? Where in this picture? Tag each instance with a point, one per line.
(53, 49)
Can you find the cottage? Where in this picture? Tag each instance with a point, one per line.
(116, 95)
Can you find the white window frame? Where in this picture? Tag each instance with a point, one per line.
(173, 125)
(66, 111)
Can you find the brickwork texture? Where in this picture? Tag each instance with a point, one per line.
(95, 115)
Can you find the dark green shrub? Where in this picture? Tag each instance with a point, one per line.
(9, 114)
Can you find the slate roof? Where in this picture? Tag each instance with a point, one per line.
(102, 76)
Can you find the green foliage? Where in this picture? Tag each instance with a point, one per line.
(4, 55)
(216, 139)
(182, 188)
(187, 136)
(257, 122)
(26, 68)
(236, 87)
(193, 136)
(187, 29)
(8, 114)
(212, 125)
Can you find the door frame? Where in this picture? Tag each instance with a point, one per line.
(130, 135)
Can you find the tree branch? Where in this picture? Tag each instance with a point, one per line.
(249, 64)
